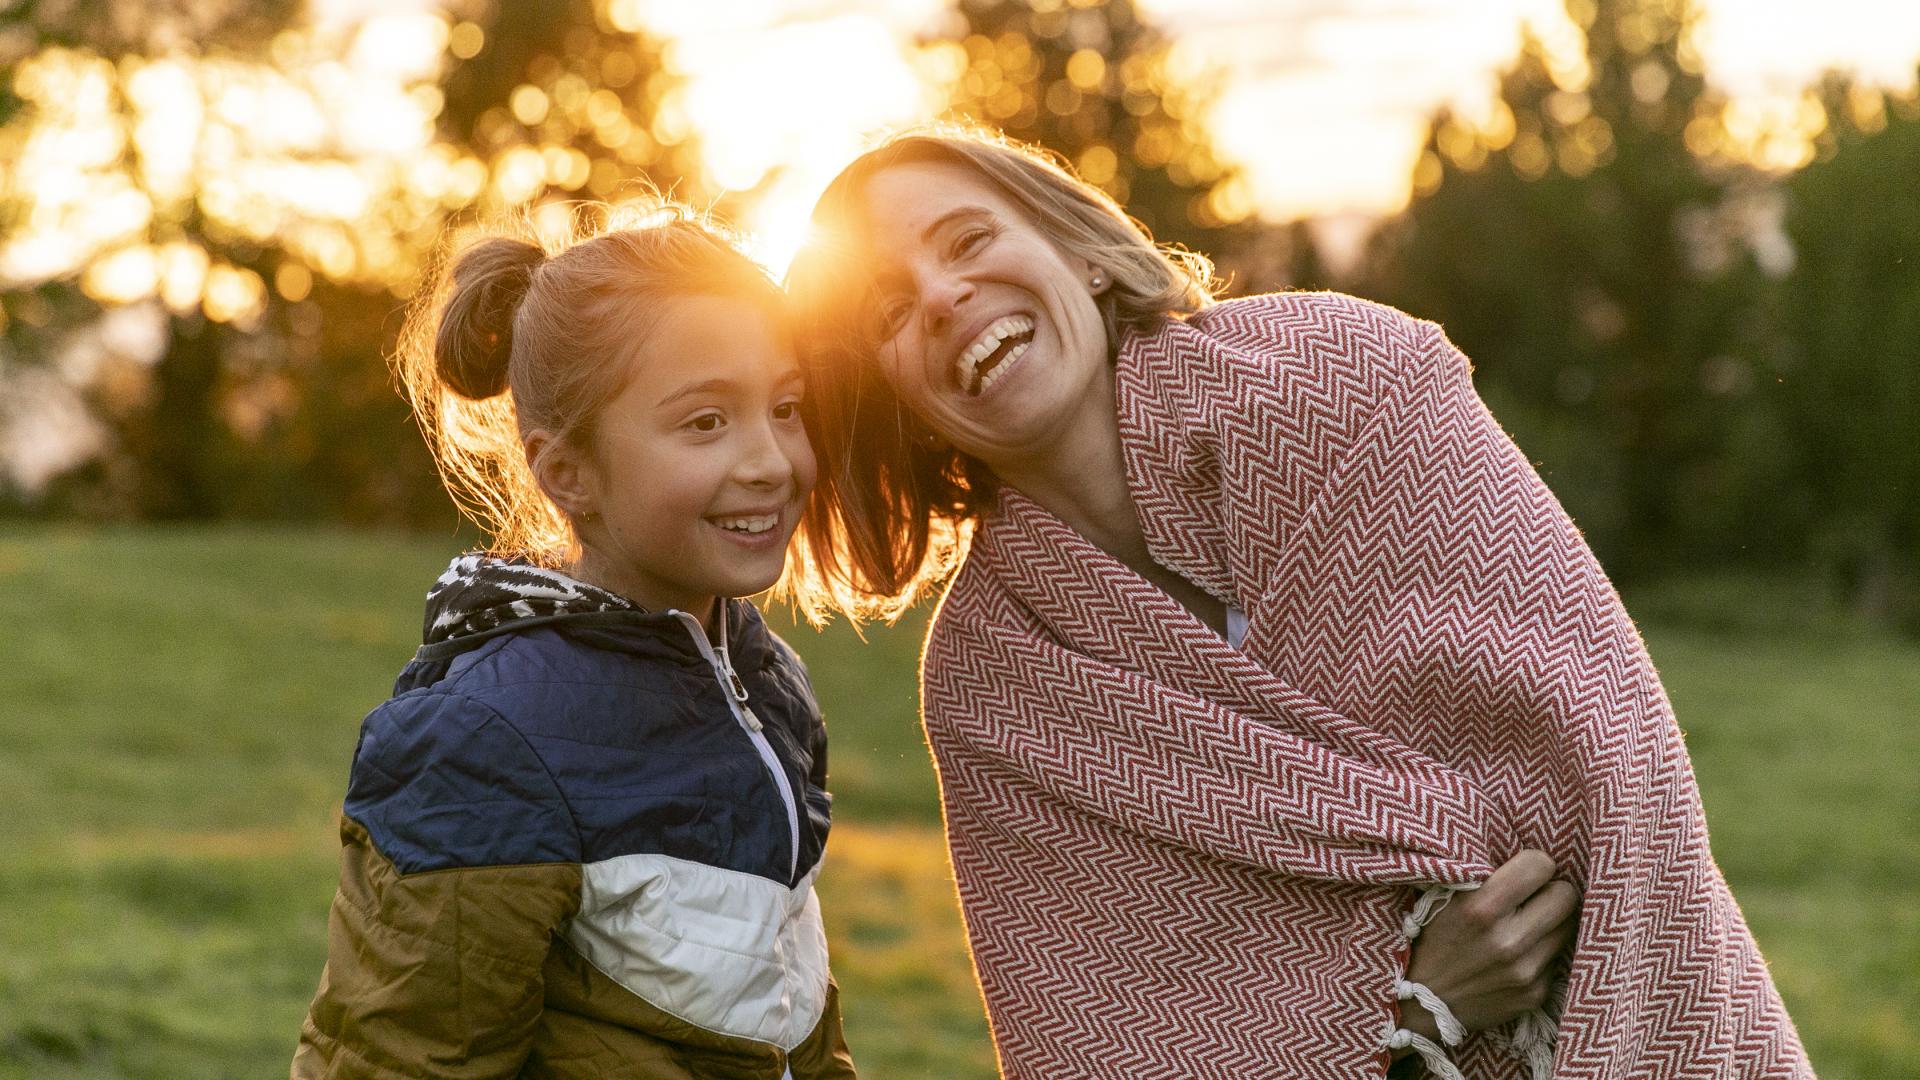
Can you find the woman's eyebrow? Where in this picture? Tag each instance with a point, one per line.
(952, 215)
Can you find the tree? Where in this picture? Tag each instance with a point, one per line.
(561, 99)
(1096, 83)
(1596, 262)
(1851, 320)
(230, 175)
(182, 182)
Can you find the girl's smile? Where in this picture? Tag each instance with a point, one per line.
(700, 465)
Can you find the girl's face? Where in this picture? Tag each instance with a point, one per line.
(701, 465)
(990, 333)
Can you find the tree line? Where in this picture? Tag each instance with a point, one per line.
(1711, 351)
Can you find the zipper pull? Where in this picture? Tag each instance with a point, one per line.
(752, 720)
(733, 683)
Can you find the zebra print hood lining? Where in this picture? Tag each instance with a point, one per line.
(480, 593)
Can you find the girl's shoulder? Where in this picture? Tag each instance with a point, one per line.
(436, 771)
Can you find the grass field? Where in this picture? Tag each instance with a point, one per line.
(179, 708)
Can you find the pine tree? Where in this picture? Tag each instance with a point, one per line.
(1582, 251)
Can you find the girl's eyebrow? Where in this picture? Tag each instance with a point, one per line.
(705, 385)
(719, 386)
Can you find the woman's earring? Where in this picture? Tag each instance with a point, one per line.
(1098, 281)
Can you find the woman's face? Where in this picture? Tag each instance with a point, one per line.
(989, 331)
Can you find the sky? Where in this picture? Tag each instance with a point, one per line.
(1324, 102)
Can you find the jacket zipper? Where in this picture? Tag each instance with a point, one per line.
(736, 691)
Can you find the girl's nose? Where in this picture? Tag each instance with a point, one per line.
(764, 461)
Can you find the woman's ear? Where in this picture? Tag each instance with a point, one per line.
(1097, 280)
(564, 473)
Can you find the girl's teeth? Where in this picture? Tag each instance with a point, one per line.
(750, 525)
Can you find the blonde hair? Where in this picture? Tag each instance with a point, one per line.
(890, 515)
(519, 331)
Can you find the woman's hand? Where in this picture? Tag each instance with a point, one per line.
(1490, 953)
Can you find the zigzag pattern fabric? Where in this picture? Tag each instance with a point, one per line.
(1181, 859)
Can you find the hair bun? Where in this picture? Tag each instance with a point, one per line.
(475, 342)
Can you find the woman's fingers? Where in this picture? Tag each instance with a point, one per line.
(1519, 924)
(1546, 909)
(1509, 886)
(1535, 966)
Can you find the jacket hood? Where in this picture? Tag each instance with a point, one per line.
(480, 595)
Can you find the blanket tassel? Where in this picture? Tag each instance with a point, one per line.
(1533, 1034)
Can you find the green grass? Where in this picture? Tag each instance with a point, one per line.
(181, 706)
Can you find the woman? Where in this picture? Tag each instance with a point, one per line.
(1265, 644)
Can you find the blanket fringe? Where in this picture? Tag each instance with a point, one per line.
(1432, 1055)
(1534, 1032)
(1533, 1040)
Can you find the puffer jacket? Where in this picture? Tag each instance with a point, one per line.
(581, 840)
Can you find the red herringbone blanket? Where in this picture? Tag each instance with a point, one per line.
(1177, 858)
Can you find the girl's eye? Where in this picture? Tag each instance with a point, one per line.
(786, 410)
(706, 422)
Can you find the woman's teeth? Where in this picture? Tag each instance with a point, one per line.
(996, 347)
(994, 373)
(748, 524)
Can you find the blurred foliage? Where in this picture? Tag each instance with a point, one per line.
(1114, 95)
(565, 99)
(1549, 239)
(1610, 242)
(116, 28)
(1849, 321)
(1701, 317)
(265, 195)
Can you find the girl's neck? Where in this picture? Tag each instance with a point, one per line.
(620, 579)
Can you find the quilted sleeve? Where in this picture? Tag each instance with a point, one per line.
(458, 866)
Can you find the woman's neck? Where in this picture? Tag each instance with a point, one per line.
(1082, 480)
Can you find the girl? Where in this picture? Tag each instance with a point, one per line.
(581, 838)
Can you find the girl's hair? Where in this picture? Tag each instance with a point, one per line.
(890, 515)
(521, 331)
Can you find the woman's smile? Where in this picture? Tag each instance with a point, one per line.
(975, 299)
(994, 352)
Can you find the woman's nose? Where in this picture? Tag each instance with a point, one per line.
(941, 299)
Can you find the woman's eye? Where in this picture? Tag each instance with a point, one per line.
(969, 241)
(706, 422)
(786, 410)
(891, 316)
